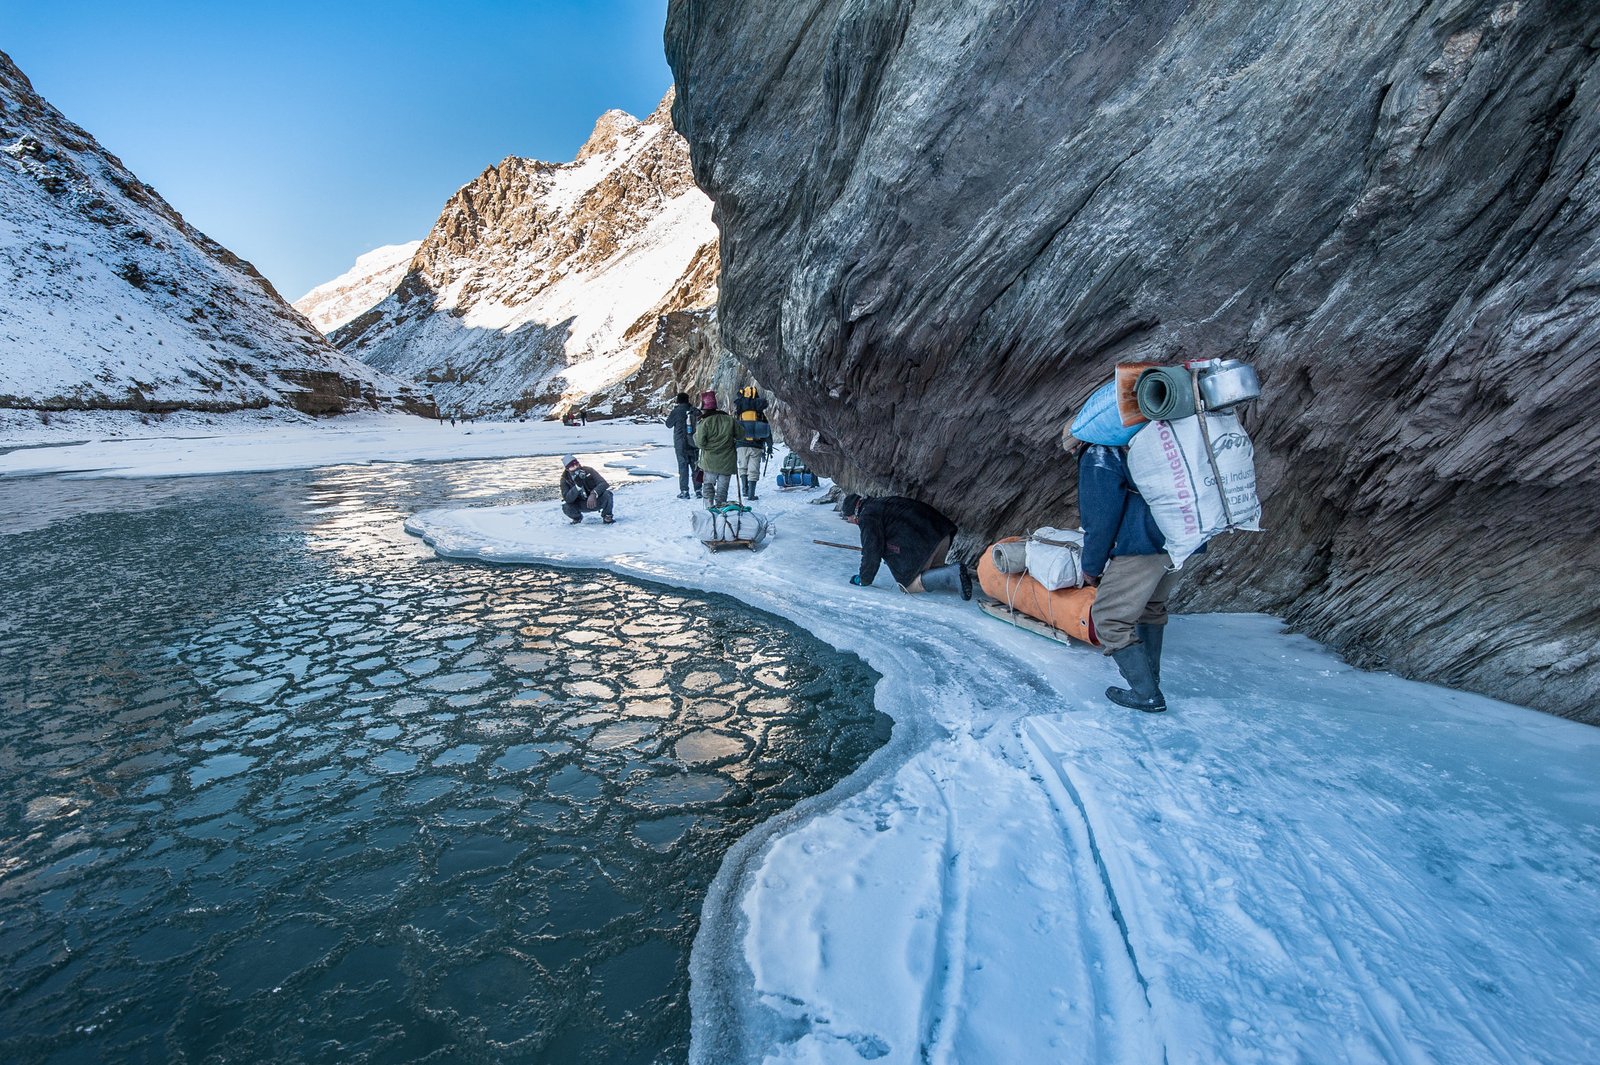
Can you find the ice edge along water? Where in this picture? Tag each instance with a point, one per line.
(1300, 861)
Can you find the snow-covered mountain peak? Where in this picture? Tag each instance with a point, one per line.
(611, 128)
(360, 288)
(542, 283)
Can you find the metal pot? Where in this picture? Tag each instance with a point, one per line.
(1227, 382)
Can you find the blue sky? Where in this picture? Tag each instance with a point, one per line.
(302, 134)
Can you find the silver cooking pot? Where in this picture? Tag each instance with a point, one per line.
(1226, 382)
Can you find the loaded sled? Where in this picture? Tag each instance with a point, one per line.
(730, 526)
(1014, 595)
(795, 474)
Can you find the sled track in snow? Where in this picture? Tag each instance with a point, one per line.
(1070, 808)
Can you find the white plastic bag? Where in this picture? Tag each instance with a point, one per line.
(1170, 464)
(1055, 558)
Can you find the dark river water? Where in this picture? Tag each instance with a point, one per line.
(278, 785)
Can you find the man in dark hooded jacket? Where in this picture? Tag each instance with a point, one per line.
(682, 421)
(912, 538)
(583, 489)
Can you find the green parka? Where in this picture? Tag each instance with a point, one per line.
(715, 439)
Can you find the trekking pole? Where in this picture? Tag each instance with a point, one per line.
(830, 543)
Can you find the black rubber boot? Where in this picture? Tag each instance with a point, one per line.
(1151, 636)
(1142, 692)
(749, 487)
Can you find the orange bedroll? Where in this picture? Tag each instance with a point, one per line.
(1065, 609)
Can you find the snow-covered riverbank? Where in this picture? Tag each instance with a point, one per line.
(1300, 861)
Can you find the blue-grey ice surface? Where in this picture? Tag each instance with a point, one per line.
(281, 786)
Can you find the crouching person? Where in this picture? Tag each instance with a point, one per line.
(583, 490)
(912, 538)
(1124, 555)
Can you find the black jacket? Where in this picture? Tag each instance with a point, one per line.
(682, 421)
(577, 484)
(901, 532)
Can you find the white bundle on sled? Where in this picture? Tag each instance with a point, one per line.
(1055, 558)
(1199, 478)
(730, 525)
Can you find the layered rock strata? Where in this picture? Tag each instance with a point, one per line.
(943, 223)
(541, 286)
(112, 301)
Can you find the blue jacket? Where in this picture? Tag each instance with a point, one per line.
(1116, 519)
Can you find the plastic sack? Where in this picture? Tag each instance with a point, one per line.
(731, 522)
(1173, 469)
(1100, 420)
(1055, 558)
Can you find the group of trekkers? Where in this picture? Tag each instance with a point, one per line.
(714, 446)
(1125, 567)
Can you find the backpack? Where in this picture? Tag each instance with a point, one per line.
(750, 411)
(795, 473)
(752, 427)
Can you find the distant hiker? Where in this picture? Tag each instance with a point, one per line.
(583, 490)
(1124, 555)
(714, 437)
(912, 538)
(682, 421)
(754, 442)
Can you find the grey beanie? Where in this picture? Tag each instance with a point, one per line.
(570, 460)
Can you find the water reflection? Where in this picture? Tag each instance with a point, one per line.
(281, 786)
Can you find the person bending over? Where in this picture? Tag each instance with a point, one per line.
(912, 538)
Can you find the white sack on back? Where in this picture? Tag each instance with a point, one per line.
(709, 525)
(1055, 558)
(1169, 464)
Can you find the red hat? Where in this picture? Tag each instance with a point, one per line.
(708, 400)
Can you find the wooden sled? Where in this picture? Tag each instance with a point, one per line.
(731, 533)
(723, 545)
(996, 609)
(1061, 615)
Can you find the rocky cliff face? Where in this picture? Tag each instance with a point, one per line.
(113, 301)
(542, 285)
(943, 223)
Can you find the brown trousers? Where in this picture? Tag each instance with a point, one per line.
(1133, 591)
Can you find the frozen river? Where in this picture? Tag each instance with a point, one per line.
(277, 784)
